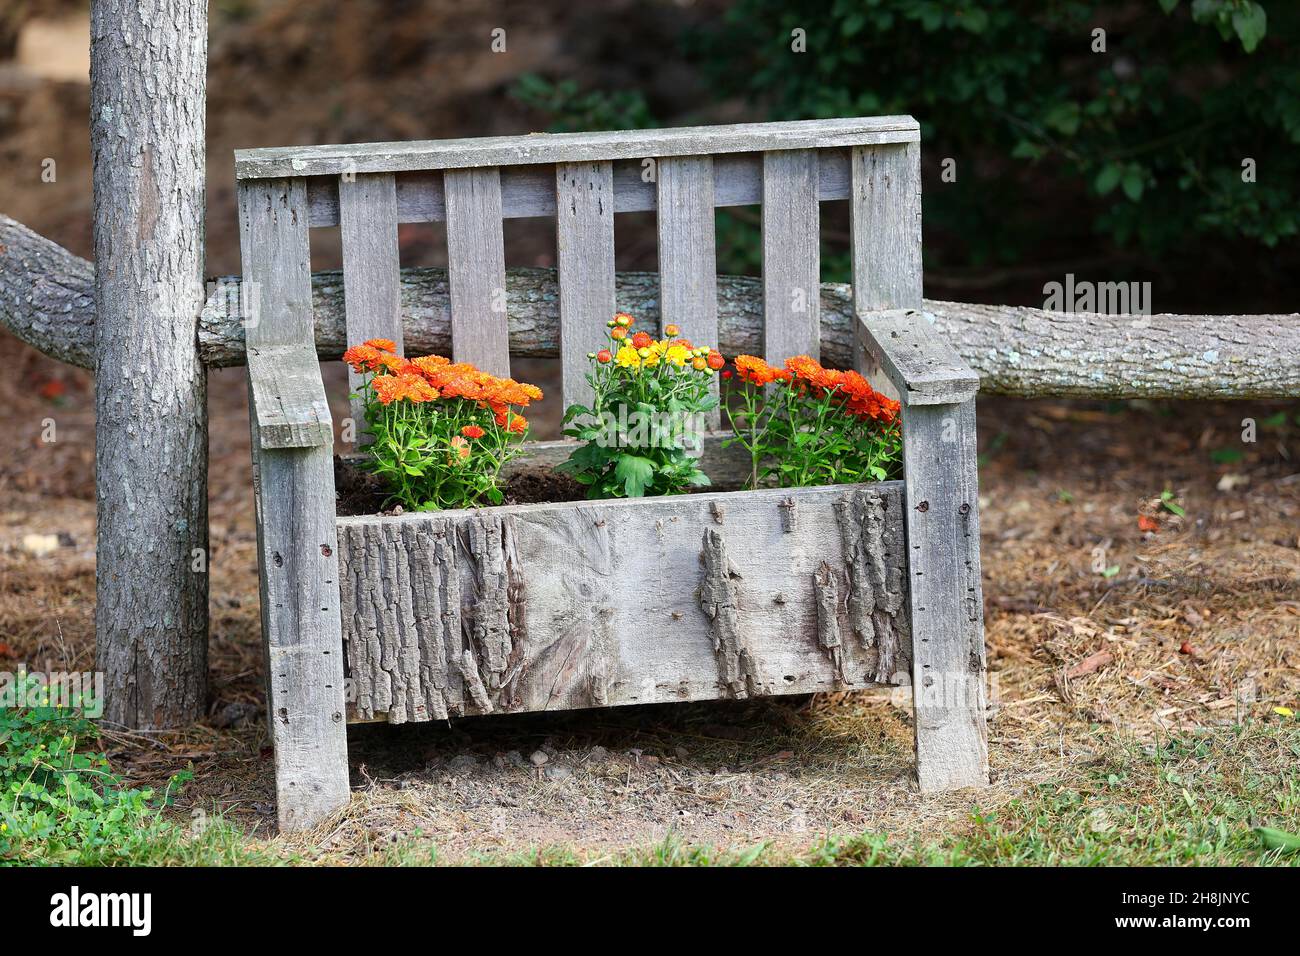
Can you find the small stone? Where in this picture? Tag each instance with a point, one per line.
(539, 757)
(598, 754)
(235, 714)
(462, 763)
(40, 544)
(682, 753)
(558, 771)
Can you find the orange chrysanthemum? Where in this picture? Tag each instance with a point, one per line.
(641, 340)
(385, 345)
(515, 424)
(472, 431)
(412, 388)
(754, 370)
(362, 358)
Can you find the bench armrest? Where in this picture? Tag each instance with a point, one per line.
(919, 362)
(288, 397)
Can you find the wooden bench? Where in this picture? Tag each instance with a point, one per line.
(532, 607)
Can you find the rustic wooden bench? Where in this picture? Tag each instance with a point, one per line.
(589, 604)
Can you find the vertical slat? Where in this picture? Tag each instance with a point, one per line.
(371, 280)
(791, 255)
(941, 482)
(276, 297)
(297, 546)
(885, 210)
(944, 595)
(584, 240)
(688, 272)
(476, 267)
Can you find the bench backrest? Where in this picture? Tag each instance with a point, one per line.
(583, 180)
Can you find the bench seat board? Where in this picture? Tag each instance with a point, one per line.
(590, 604)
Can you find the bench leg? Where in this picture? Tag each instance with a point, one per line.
(302, 630)
(944, 595)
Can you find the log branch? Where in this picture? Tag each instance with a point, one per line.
(1030, 353)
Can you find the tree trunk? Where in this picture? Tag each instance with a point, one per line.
(147, 89)
(1018, 351)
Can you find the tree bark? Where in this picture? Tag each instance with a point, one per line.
(1017, 351)
(147, 101)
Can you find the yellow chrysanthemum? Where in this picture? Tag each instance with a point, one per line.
(628, 357)
(679, 355)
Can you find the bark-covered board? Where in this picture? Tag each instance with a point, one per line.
(591, 604)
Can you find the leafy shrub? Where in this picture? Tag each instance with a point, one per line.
(60, 803)
(1146, 143)
(640, 435)
(808, 425)
(442, 430)
(1155, 128)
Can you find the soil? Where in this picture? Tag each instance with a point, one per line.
(361, 493)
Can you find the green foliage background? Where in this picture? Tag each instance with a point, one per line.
(1139, 148)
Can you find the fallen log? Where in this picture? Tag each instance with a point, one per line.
(45, 299)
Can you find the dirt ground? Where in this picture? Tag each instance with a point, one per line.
(1095, 626)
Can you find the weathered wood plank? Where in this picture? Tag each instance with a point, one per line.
(288, 397)
(275, 307)
(885, 229)
(885, 211)
(711, 618)
(476, 266)
(922, 366)
(944, 595)
(791, 256)
(571, 147)
(584, 241)
(688, 272)
(529, 191)
(371, 270)
(297, 548)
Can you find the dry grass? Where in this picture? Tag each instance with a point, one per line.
(1187, 632)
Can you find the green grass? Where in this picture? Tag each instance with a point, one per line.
(1191, 799)
(1188, 799)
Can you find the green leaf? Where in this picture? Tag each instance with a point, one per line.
(1133, 183)
(1108, 178)
(1274, 421)
(1250, 24)
(1168, 5)
(974, 20)
(1278, 839)
(1169, 504)
(1064, 118)
(1226, 456)
(636, 473)
(1025, 149)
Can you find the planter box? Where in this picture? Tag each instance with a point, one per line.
(546, 607)
(594, 604)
